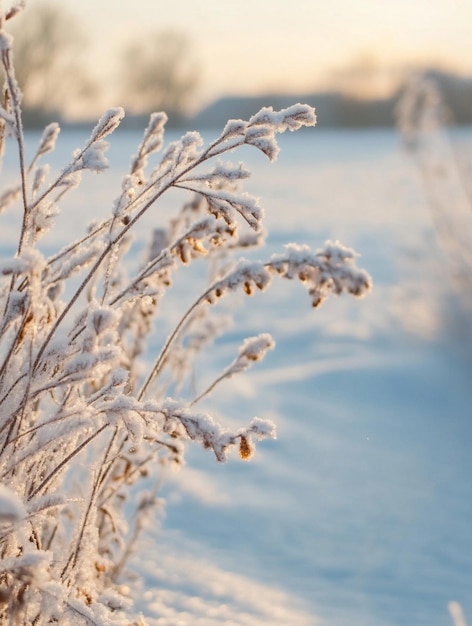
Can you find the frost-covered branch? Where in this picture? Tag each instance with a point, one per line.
(329, 270)
(253, 349)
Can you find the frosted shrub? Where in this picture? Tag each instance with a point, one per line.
(444, 174)
(85, 412)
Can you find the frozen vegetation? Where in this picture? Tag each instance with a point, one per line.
(127, 349)
(87, 410)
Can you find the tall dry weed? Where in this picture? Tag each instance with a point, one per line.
(84, 411)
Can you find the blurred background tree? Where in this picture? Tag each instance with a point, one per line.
(159, 74)
(154, 72)
(48, 50)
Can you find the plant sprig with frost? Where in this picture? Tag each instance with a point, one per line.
(81, 418)
(423, 119)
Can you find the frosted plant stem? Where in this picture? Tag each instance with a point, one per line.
(96, 485)
(77, 244)
(13, 344)
(7, 65)
(20, 142)
(111, 261)
(209, 389)
(106, 460)
(83, 615)
(10, 421)
(163, 354)
(62, 175)
(69, 305)
(145, 272)
(109, 248)
(65, 461)
(35, 429)
(29, 380)
(137, 529)
(72, 561)
(135, 471)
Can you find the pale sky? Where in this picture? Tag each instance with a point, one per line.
(256, 46)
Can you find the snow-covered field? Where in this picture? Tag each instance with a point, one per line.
(359, 514)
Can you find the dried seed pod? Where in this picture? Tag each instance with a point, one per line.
(245, 448)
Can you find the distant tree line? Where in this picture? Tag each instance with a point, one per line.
(157, 72)
(339, 109)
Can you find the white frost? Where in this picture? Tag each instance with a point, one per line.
(11, 507)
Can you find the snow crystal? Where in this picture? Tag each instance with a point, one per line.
(291, 118)
(11, 507)
(94, 157)
(253, 349)
(109, 121)
(48, 140)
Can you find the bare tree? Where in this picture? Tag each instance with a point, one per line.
(47, 46)
(159, 74)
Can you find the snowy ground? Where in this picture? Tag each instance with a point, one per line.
(359, 514)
